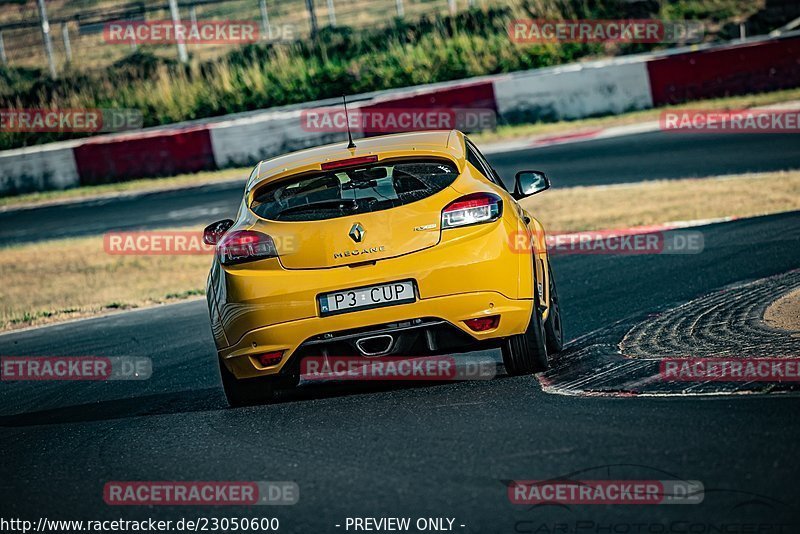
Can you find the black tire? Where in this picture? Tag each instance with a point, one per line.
(553, 327)
(246, 392)
(525, 354)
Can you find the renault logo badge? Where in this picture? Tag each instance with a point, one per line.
(357, 232)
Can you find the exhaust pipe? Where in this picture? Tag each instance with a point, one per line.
(375, 345)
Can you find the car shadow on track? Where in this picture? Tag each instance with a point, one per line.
(207, 400)
(201, 400)
(323, 390)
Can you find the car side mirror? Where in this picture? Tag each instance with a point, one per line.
(529, 183)
(214, 231)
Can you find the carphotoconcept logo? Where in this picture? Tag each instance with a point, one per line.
(530, 31)
(75, 368)
(564, 503)
(84, 120)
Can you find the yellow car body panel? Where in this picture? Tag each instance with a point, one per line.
(460, 273)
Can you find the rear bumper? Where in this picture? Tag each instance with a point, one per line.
(296, 337)
(473, 272)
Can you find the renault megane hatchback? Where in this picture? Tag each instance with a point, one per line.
(404, 245)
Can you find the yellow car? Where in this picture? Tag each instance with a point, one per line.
(404, 245)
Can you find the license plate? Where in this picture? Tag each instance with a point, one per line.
(366, 297)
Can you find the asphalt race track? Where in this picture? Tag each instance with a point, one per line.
(632, 158)
(419, 450)
(653, 156)
(439, 450)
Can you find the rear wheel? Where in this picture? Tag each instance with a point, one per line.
(246, 392)
(525, 354)
(552, 326)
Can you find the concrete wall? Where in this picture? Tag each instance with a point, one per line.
(245, 141)
(574, 91)
(39, 168)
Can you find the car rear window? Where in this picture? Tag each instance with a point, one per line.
(354, 190)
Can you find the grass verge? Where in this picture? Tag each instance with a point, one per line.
(57, 280)
(659, 201)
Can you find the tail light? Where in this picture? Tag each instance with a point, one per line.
(245, 245)
(476, 208)
(482, 324)
(270, 358)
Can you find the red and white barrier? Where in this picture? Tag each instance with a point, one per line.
(154, 153)
(557, 93)
(751, 67)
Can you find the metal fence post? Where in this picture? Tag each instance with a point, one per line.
(193, 17)
(401, 12)
(48, 43)
(65, 37)
(134, 46)
(331, 13)
(3, 56)
(266, 33)
(313, 17)
(176, 20)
